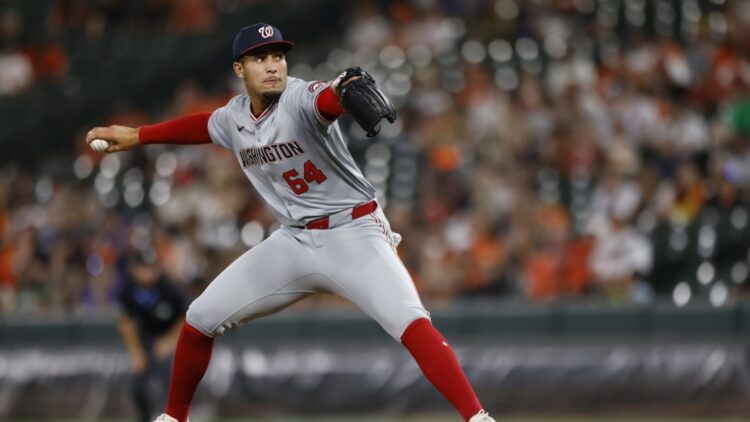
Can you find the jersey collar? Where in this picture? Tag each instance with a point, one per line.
(265, 113)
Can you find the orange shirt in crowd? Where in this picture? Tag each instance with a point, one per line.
(7, 275)
(552, 274)
(486, 257)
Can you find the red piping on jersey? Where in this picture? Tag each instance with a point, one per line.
(328, 105)
(255, 119)
(190, 129)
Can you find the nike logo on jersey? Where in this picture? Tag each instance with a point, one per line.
(239, 128)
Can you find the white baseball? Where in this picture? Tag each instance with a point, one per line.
(99, 145)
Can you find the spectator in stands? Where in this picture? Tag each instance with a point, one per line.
(192, 16)
(621, 254)
(16, 71)
(7, 273)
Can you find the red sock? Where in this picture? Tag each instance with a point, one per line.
(439, 364)
(190, 363)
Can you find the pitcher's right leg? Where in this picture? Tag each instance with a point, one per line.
(264, 280)
(191, 358)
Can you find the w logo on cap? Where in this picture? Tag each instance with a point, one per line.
(266, 31)
(256, 35)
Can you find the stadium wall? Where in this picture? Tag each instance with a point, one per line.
(565, 360)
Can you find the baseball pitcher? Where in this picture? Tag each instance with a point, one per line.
(334, 237)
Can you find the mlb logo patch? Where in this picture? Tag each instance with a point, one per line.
(314, 86)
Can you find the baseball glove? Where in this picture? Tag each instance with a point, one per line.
(364, 100)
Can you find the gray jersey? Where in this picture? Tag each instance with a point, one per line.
(295, 158)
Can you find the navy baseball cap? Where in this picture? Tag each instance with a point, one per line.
(258, 35)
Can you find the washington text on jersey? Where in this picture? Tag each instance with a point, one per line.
(254, 156)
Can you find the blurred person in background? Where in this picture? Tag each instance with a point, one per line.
(7, 273)
(557, 267)
(151, 316)
(16, 71)
(724, 227)
(621, 254)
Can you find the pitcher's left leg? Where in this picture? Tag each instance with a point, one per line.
(366, 270)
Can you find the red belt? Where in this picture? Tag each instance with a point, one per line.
(360, 210)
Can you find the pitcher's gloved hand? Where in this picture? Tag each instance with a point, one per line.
(361, 97)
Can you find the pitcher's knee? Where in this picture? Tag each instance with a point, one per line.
(413, 327)
(397, 328)
(204, 319)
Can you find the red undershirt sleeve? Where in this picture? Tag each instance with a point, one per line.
(189, 129)
(328, 105)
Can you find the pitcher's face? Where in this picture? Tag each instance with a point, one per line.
(264, 72)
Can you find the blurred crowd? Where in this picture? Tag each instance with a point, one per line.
(38, 52)
(545, 150)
